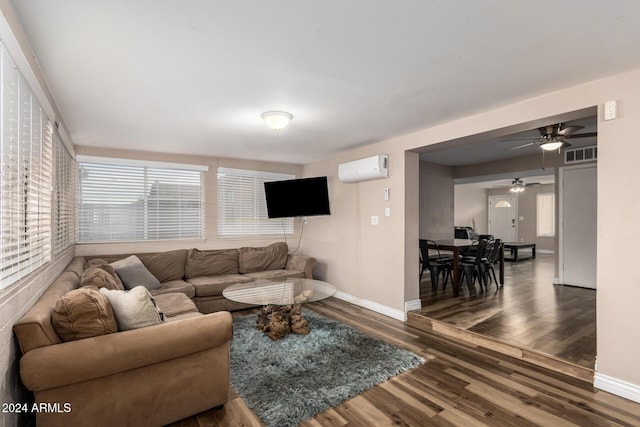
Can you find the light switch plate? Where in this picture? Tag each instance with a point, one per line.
(610, 110)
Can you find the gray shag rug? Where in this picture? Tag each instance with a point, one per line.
(288, 381)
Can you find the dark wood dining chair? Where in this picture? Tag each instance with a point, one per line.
(436, 266)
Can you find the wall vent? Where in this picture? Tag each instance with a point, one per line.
(582, 154)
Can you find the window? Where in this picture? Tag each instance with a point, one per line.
(63, 203)
(242, 208)
(546, 216)
(25, 185)
(127, 200)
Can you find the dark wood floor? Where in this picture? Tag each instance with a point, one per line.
(529, 311)
(459, 385)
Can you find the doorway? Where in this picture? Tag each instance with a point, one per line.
(578, 231)
(503, 211)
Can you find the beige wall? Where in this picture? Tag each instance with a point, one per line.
(436, 201)
(211, 239)
(369, 261)
(470, 207)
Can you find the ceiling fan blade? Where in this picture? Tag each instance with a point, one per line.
(568, 130)
(583, 135)
(522, 146)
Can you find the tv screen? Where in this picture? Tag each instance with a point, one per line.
(297, 197)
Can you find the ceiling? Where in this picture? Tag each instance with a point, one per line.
(193, 76)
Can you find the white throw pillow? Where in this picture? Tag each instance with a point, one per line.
(133, 309)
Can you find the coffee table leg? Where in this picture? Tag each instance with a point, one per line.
(277, 321)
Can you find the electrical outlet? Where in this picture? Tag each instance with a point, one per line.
(387, 212)
(374, 220)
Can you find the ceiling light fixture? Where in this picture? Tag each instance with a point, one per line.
(277, 120)
(551, 145)
(517, 186)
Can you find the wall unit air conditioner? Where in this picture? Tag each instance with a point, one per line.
(374, 167)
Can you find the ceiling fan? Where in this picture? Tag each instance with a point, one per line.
(554, 137)
(517, 185)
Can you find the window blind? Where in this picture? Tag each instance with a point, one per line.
(25, 188)
(545, 215)
(122, 201)
(242, 207)
(63, 206)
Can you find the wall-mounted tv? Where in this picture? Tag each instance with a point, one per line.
(297, 197)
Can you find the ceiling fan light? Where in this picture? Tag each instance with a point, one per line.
(552, 145)
(277, 120)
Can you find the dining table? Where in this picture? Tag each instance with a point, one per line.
(456, 246)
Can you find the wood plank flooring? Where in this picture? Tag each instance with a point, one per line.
(459, 385)
(529, 312)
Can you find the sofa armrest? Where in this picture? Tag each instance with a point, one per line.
(302, 263)
(87, 359)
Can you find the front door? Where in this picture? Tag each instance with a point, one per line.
(503, 211)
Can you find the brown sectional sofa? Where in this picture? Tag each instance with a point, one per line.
(203, 275)
(157, 374)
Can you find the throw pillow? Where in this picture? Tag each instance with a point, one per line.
(133, 309)
(101, 276)
(133, 273)
(83, 313)
(211, 263)
(272, 257)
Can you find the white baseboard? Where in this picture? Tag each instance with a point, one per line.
(618, 387)
(545, 251)
(373, 306)
(416, 304)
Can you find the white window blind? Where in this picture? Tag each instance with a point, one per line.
(25, 188)
(242, 207)
(128, 200)
(545, 215)
(63, 204)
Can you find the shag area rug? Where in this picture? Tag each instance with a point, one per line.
(288, 381)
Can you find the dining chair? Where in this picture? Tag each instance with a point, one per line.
(471, 267)
(436, 266)
(494, 258)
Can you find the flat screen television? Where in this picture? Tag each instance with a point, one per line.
(297, 197)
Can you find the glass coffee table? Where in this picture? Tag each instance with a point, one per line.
(281, 302)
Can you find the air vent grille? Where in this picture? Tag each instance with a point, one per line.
(582, 154)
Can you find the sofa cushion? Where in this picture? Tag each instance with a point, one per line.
(101, 276)
(165, 266)
(35, 329)
(133, 273)
(76, 266)
(214, 285)
(174, 304)
(271, 257)
(184, 316)
(275, 274)
(175, 286)
(134, 308)
(83, 313)
(211, 263)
